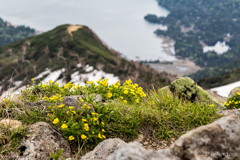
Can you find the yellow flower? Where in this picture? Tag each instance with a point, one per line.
(44, 97)
(48, 114)
(95, 119)
(102, 123)
(74, 112)
(84, 120)
(137, 100)
(94, 113)
(121, 97)
(103, 136)
(227, 104)
(57, 84)
(125, 92)
(81, 100)
(55, 121)
(71, 138)
(109, 95)
(67, 112)
(92, 82)
(93, 132)
(88, 107)
(103, 130)
(60, 106)
(51, 81)
(70, 107)
(99, 135)
(28, 86)
(44, 85)
(83, 136)
(64, 126)
(212, 105)
(32, 79)
(124, 101)
(105, 83)
(86, 127)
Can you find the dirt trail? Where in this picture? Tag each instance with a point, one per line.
(73, 28)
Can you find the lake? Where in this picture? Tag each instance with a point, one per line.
(119, 23)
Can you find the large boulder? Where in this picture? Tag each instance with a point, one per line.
(219, 140)
(104, 149)
(214, 141)
(41, 141)
(187, 88)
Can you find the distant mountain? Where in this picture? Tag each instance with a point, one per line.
(69, 53)
(10, 33)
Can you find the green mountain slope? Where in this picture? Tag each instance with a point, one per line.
(221, 80)
(62, 49)
(10, 33)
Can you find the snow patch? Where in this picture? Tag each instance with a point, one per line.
(79, 65)
(226, 89)
(93, 76)
(220, 48)
(53, 76)
(10, 93)
(43, 73)
(88, 68)
(18, 83)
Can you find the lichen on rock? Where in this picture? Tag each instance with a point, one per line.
(186, 88)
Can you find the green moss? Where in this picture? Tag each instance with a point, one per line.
(187, 88)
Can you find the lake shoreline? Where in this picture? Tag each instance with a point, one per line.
(178, 67)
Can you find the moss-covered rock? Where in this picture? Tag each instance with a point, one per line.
(186, 88)
(234, 92)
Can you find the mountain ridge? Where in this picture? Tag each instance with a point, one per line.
(58, 50)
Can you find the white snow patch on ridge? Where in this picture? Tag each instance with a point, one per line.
(43, 73)
(53, 76)
(226, 89)
(219, 48)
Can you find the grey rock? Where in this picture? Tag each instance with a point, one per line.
(104, 149)
(11, 124)
(42, 140)
(219, 140)
(231, 112)
(134, 151)
(73, 101)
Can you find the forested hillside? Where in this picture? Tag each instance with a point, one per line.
(192, 23)
(10, 33)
